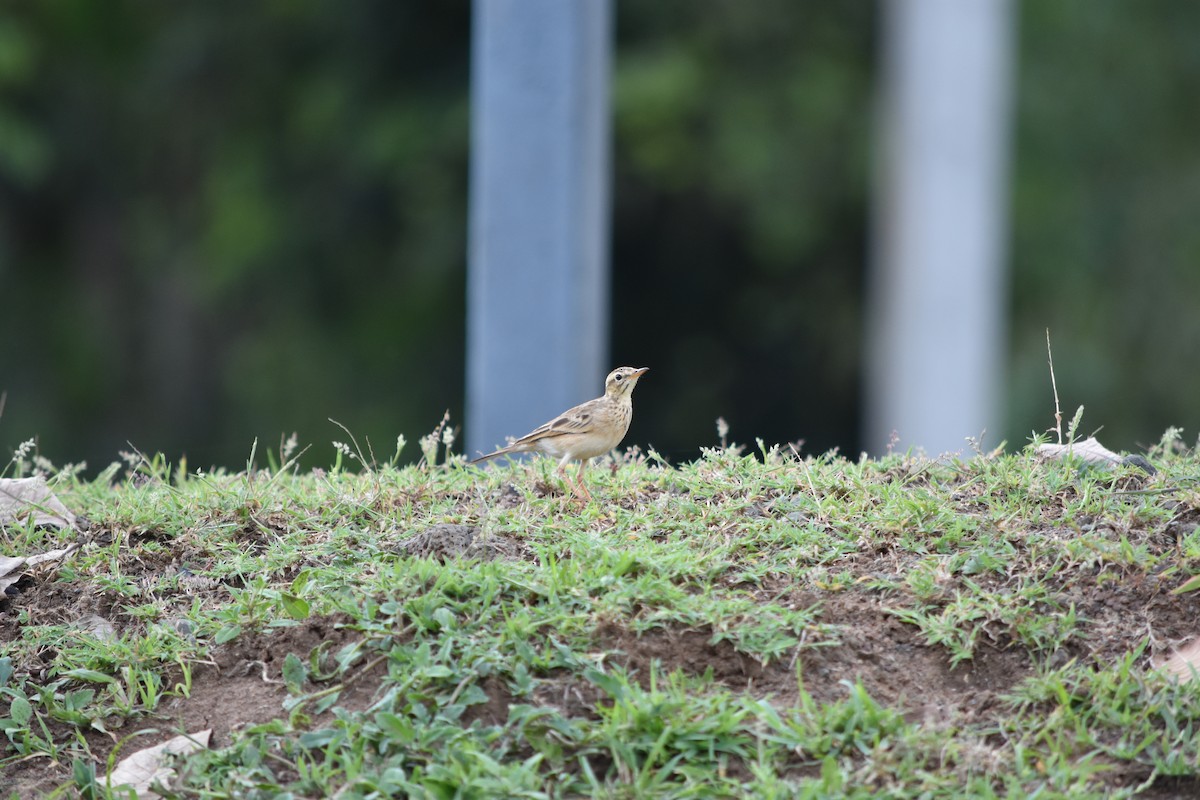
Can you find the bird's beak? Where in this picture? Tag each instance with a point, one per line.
(640, 372)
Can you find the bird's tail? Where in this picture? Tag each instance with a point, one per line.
(492, 454)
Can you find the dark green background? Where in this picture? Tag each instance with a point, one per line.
(226, 220)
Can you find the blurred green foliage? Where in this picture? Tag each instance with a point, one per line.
(222, 221)
(230, 220)
(1105, 247)
(742, 144)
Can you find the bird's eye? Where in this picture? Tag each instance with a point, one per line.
(619, 377)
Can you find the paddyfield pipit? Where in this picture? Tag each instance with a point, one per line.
(588, 430)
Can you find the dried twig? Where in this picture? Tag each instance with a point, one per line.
(1054, 385)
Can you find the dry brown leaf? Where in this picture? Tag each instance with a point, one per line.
(1089, 450)
(9, 565)
(144, 767)
(13, 567)
(97, 626)
(25, 498)
(1183, 663)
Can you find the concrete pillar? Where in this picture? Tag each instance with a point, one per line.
(538, 273)
(937, 294)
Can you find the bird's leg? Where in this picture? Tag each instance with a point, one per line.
(561, 472)
(582, 490)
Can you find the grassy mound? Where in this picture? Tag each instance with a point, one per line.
(745, 625)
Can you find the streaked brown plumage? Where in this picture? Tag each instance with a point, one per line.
(588, 430)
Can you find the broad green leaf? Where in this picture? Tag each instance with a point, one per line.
(81, 698)
(227, 634)
(85, 777)
(296, 607)
(301, 581)
(90, 675)
(327, 702)
(395, 726)
(611, 685)
(1190, 585)
(294, 672)
(320, 738)
(20, 711)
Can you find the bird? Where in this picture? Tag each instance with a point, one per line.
(588, 430)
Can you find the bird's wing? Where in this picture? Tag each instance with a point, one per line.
(580, 419)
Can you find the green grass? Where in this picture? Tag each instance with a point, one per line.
(744, 625)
